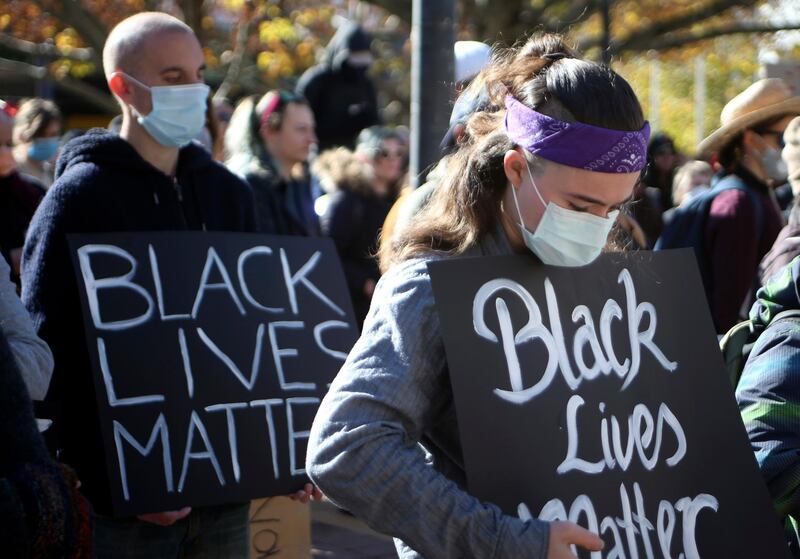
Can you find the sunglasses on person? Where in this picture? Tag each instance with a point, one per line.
(778, 135)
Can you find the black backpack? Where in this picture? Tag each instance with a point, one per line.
(687, 225)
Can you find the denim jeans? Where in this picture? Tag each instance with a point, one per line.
(219, 532)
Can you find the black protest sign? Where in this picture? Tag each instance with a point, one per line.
(211, 353)
(598, 395)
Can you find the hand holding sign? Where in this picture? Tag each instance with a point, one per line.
(563, 535)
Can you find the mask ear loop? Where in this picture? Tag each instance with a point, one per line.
(535, 188)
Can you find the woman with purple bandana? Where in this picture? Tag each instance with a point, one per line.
(545, 169)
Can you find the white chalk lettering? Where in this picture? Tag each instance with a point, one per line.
(271, 426)
(643, 431)
(159, 290)
(320, 328)
(213, 260)
(278, 354)
(108, 381)
(228, 409)
(187, 363)
(295, 435)
(93, 285)
(248, 383)
(636, 526)
(301, 278)
(243, 283)
(604, 360)
(161, 431)
(207, 454)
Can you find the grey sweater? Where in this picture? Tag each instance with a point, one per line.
(32, 354)
(385, 442)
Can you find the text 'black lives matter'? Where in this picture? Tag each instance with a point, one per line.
(211, 353)
(598, 395)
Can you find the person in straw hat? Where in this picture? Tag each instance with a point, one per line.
(743, 222)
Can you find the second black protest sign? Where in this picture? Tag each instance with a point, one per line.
(211, 353)
(598, 395)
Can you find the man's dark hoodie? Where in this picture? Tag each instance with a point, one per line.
(103, 185)
(342, 96)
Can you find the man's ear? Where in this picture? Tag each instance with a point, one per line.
(514, 164)
(119, 87)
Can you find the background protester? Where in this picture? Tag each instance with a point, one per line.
(150, 177)
(37, 130)
(42, 514)
(744, 222)
(19, 197)
(662, 161)
(385, 443)
(339, 89)
(768, 395)
(362, 187)
(787, 245)
(268, 144)
(691, 179)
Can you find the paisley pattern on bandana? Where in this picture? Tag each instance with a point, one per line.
(576, 144)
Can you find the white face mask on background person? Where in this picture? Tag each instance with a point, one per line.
(565, 237)
(178, 114)
(774, 166)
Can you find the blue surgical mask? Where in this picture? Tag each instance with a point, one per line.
(565, 237)
(178, 115)
(43, 149)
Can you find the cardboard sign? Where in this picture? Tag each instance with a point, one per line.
(211, 353)
(598, 395)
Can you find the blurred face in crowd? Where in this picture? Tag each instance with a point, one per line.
(292, 142)
(388, 162)
(169, 58)
(665, 158)
(7, 163)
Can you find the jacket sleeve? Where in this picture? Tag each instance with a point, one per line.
(31, 353)
(732, 247)
(768, 395)
(364, 450)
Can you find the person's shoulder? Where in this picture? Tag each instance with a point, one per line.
(410, 275)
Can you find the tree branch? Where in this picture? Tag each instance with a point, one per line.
(577, 13)
(645, 35)
(400, 8)
(72, 13)
(681, 39)
(99, 99)
(47, 50)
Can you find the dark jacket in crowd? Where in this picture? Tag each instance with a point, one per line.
(103, 185)
(19, 197)
(283, 207)
(353, 219)
(768, 395)
(342, 96)
(786, 246)
(736, 247)
(42, 515)
(647, 210)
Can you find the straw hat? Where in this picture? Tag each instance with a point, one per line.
(762, 101)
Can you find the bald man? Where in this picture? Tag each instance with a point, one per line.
(150, 177)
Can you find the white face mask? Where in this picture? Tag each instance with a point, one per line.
(565, 237)
(178, 115)
(774, 166)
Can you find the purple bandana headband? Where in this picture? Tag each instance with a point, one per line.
(576, 144)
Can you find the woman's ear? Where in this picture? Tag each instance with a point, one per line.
(514, 165)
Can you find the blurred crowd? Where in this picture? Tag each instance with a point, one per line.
(312, 162)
